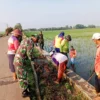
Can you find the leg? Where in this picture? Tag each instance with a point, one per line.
(22, 77)
(97, 84)
(61, 69)
(23, 82)
(73, 64)
(11, 66)
(42, 45)
(21, 73)
(73, 67)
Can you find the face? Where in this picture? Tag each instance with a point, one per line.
(34, 39)
(95, 41)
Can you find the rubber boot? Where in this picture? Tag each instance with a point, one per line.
(25, 93)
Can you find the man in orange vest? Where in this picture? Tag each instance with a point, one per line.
(72, 54)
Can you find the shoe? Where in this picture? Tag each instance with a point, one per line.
(25, 93)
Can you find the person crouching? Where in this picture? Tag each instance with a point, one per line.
(60, 60)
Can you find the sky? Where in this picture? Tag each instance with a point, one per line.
(49, 13)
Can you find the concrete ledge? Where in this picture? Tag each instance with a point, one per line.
(81, 85)
(78, 83)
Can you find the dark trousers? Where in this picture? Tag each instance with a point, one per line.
(11, 59)
(57, 49)
(41, 45)
(97, 84)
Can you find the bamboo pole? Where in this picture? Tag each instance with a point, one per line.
(36, 82)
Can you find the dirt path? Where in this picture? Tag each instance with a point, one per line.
(9, 90)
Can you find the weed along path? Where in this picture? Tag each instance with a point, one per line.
(9, 90)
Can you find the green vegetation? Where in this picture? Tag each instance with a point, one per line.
(75, 33)
(81, 40)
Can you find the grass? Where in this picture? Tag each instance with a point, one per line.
(75, 33)
(2, 32)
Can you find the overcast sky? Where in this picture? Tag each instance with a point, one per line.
(49, 13)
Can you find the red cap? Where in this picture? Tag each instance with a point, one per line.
(17, 32)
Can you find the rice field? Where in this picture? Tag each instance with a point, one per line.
(82, 42)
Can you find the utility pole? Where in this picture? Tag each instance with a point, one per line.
(7, 25)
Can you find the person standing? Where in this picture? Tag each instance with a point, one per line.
(72, 54)
(60, 60)
(64, 47)
(41, 40)
(96, 40)
(24, 54)
(13, 45)
(57, 41)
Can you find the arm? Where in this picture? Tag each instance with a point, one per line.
(62, 44)
(30, 48)
(16, 44)
(97, 63)
(67, 43)
(97, 66)
(75, 53)
(54, 43)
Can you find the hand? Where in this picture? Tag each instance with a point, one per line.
(99, 76)
(74, 56)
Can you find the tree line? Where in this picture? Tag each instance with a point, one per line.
(77, 26)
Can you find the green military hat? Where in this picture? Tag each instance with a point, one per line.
(18, 26)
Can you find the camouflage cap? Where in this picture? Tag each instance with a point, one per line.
(35, 35)
(18, 26)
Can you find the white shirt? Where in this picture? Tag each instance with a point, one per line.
(60, 57)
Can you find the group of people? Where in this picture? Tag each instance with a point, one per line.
(18, 52)
(60, 57)
(60, 54)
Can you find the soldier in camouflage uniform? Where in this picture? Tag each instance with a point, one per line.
(41, 40)
(24, 52)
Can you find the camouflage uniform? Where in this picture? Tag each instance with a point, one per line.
(18, 26)
(24, 54)
(41, 41)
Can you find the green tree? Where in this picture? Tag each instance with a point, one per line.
(80, 26)
(91, 26)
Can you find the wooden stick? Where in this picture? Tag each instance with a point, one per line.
(91, 77)
(36, 82)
